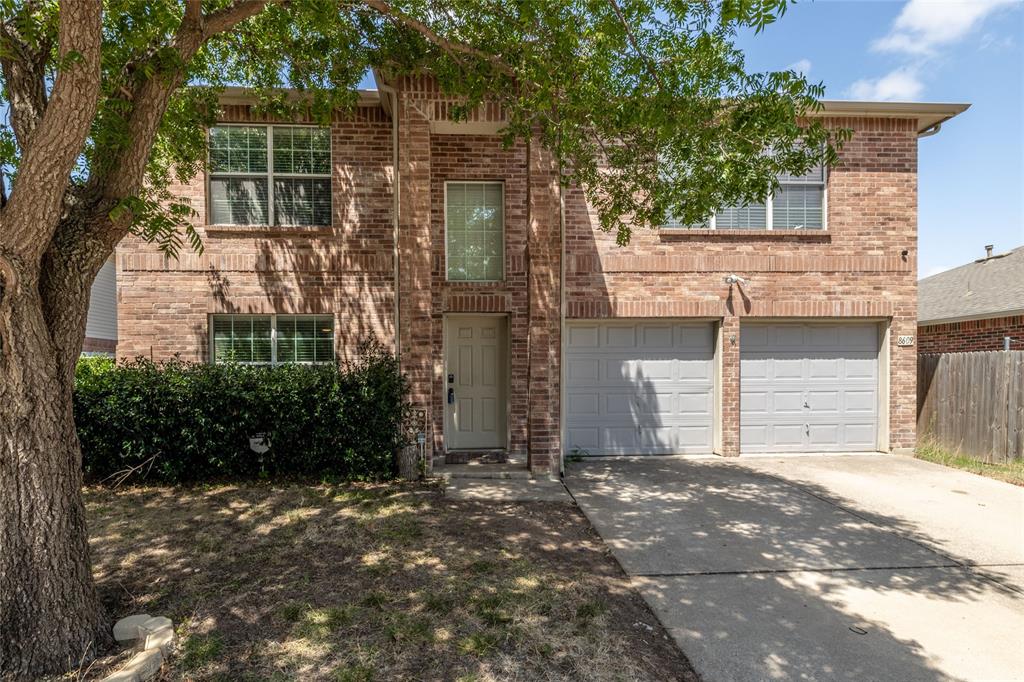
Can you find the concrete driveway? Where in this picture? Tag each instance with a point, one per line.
(871, 567)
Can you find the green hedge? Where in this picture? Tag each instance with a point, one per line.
(180, 422)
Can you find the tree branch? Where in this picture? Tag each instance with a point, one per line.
(652, 68)
(451, 48)
(24, 71)
(225, 19)
(30, 217)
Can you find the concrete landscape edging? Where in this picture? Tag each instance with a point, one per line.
(153, 639)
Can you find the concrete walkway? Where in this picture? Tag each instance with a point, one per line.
(867, 567)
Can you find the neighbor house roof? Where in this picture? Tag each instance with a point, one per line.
(988, 287)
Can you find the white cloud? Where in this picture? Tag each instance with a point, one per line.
(922, 29)
(925, 25)
(802, 66)
(900, 84)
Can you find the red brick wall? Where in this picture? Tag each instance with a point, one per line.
(345, 269)
(481, 157)
(856, 268)
(971, 335)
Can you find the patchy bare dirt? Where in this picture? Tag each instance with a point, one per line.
(368, 582)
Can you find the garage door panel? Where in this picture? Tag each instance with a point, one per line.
(861, 368)
(693, 438)
(583, 371)
(808, 387)
(652, 384)
(660, 403)
(695, 404)
(860, 402)
(788, 402)
(583, 336)
(753, 368)
(786, 368)
(754, 402)
(582, 404)
(786, 435)
(821, 368)
(699, 338)
(655, 337)
(619, 337)
(822, 402)
(860, 434)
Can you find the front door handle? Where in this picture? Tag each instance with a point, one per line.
(451, 396)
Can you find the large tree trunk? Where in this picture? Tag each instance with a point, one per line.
(50, 616)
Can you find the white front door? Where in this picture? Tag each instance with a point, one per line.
(475, 382)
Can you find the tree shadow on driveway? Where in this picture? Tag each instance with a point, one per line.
(758, 577)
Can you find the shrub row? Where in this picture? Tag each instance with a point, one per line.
(178, 422)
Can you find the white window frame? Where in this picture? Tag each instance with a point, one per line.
(504, 231)
(269, 174)
(273, 338)
(769, 219)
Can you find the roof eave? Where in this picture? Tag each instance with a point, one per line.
(1013, 312)
(928, 114)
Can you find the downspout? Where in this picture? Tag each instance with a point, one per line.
(396, 194)
(928, 132)
(561, 323)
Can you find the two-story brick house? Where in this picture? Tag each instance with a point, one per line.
(522, 326)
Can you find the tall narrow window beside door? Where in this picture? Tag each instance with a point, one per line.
(270, 175)
(475, 231)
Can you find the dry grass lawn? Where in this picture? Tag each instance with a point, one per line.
(1011, 471)
(386, 582)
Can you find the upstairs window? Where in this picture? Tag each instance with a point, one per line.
(270, 175)
(798, 204)
(272, 339)
(475, 231)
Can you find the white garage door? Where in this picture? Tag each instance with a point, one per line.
(639, 387)
(808, 387)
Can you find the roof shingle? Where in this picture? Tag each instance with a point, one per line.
(991, 287)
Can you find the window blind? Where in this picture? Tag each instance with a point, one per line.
(475, 231)
(270, 175)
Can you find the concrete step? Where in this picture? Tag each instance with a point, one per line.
(482, 471)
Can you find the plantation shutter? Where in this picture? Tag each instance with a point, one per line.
(305, 338)
(475, 231)
(748, 217)
(238, 182)
(247, 189)
(301, 154)
(242, 338)
(799, 202)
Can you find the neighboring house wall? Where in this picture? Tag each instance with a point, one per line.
(101, 323)
(862, 268)
(971, 335)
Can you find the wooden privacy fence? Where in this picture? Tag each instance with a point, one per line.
(973, 403)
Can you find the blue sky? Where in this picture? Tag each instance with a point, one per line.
(971, 175)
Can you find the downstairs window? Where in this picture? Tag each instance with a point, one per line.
(272, 339)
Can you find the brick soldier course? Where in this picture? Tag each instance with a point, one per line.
(863, 266)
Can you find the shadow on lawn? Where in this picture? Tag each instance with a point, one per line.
(373, 582)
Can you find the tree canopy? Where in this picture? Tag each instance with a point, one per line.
(646, 104)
